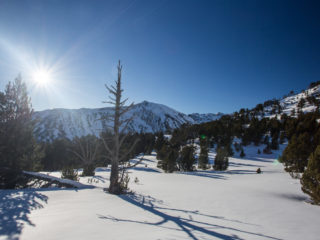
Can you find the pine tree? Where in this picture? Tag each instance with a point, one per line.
(311, 177)
(160, 141)
(169, 164)
(221, 161)
(18, 147)
(203, 157)
(186, 158)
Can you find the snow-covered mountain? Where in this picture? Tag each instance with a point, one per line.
(305, 101)
(147, 117)
(207, 117)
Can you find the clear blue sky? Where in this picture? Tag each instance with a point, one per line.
(194, 56)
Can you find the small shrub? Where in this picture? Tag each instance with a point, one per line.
(258, 170)
(89, 170)
(70, 173)
(124, 184)
(136, 180)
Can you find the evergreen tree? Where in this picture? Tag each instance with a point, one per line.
(186, 158)
(159, 142)
(311, 177)
(221, 161)
(282, 137)
(203, 157)
(295, 156)
(169, 164)
(18, 147)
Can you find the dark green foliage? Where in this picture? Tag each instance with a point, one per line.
(274, 143)
(314, 84)
(88, 170)
(203, 157)
(282, 137)
(11, 178)
(311, 177)
(159, 142)
(161, 154)
(295, 156)
(304, 136)
(58, 155)
(169, 163)
(70, 173)
(259, 152)
(146, 143)
(186, 158)
(18, 148)
(221, 161)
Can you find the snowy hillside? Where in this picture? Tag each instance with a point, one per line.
(148, 117)
(202, 118)
(291, 102)
(232, 204)
(289, 105)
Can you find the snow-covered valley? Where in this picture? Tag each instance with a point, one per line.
(233, 204)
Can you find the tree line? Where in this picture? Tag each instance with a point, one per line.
(20, 150)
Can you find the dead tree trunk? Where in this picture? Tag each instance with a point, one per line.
(119, 128)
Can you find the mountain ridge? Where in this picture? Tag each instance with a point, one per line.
(152, 117)
(147, 117)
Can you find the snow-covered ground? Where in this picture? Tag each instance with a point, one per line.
(235, 204)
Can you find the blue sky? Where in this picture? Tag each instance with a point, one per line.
(194, 56)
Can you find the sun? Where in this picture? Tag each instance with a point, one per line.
(42, 77)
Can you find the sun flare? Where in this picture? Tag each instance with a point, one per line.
(42, 77)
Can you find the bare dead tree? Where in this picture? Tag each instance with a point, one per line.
(120, 127)
(86, 151)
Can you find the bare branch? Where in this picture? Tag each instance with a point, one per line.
(130, 150)
(110, 90)
(131, 166)
(124, 101)
(107, 147)
(127, 124)
(126, 109)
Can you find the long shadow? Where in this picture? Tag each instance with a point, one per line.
(103, 169)
(145, 169)
(207, 174)
(233, 164)
(238, 171)
(102, 179)
(259, 159)
(15, 206)
(188, 225)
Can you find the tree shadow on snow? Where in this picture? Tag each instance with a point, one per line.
(145, 169)
(15, 206)
(207, 174)
(189, 225)
(233, 164)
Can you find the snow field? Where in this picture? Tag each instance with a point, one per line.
(234, 204)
